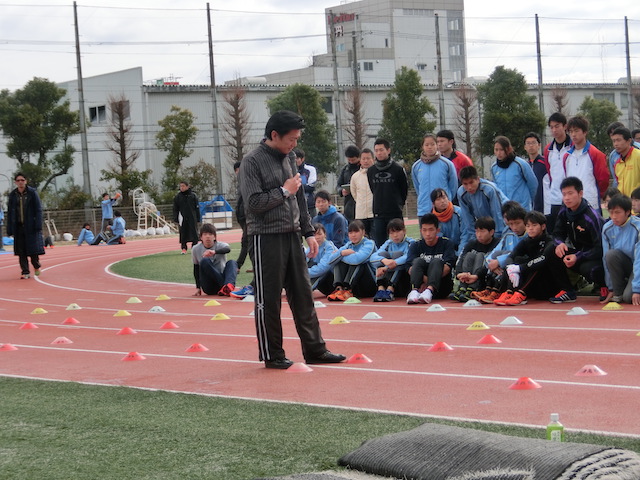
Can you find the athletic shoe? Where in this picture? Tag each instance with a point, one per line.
(226, 290)
(426, 296)
(604, 293)
(37, 272)
(489, 297)
(333, 297)
(564, 297)
(24, 276)
(617, 298)
(243, 292)
(455, 295)
(184, 252)
(516, 299)
(465, 295)
(413, 297)
(503, 298)
(481, 293)
(344, 294)
(390, 296)
(380, 296)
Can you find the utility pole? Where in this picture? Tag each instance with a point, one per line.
(86, 176)
(336, 87)
(443, 122)
(356, 74)
(214, 107)
(540, 92)
(629, 87)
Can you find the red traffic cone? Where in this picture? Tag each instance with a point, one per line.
(299, 367)
(487, 339)
(28, 326)
(132, 356)
(168, 326)
(197, 347)
(525, 383)
(7, 347)
(359, 358)
(70, 321)
(126, 331)
(440, 347)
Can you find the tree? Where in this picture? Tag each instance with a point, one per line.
(69, 197)
(317, 139)
(560, 100)
(203, 179)
(38, 124)
(404, 112)
(635, 93)
(236, 125)
(122, 168)
(600, 114)
(177, 134)
(355, 127)
(466, 112)
(508, 109)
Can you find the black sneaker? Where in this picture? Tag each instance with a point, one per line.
(278, 363)
(327, 357)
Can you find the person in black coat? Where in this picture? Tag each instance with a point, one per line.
(186, 213)
(24, 222)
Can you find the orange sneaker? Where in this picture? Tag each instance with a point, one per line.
(481, 293)
(502, 299)
(516, 299)
(344, 294)
(333, 297)
(490, 297)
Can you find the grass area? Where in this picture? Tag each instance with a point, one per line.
(58, 430)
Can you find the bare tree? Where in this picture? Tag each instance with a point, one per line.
(635, 93)
(355, 126)
(467, 119)
(560, 100)
(236, 123)
(122, 168)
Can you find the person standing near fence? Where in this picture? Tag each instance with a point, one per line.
(186, 213)
(107, 209)
(24, 222)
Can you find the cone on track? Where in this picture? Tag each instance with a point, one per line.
(127, 331)
(220, 316)
(163, 297)
(577, 311)
(353, 300)
(197, 347)
(132, 356)
(249, 298)
(371, 316)
(478, 326)
(38, 311)
(61, 341)
(212, 303)
(338, 321)
(74, 306)
(525, 383)
(472, 303)
(122, 313)
(488, 339)
(70, 321)
(299, 367)
(7, 347)
(511, 321)
(28, 326)
(156, 309)
(133, 300)
(359, 358)
(612, 306)
(440, 347)
(168, 326)
(436, 307)
(318, 304)
(590, 371)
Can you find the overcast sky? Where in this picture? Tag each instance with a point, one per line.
(579, 44)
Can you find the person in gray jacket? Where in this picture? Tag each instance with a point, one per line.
(277, 217)
(211, 269)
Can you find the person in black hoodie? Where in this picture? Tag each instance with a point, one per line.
(344, 179)
(389, 185)
(186, 213)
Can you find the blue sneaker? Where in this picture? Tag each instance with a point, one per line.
(380, 296)
(564, 297)
(243, 292)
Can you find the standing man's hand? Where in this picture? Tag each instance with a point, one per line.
(293, 184)
(313, 246)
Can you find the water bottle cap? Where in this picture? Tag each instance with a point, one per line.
(555, 417)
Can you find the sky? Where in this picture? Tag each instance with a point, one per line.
(581, 42)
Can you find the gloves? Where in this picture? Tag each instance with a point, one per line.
(513, 271)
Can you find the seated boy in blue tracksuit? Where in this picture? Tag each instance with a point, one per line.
(212, 271)
(320, 266)
(352, 271)
(334, 222)
(86, 235)
(390, 263)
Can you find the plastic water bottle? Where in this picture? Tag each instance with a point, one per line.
(555, 430)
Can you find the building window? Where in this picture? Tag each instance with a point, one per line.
(328, 105)
(624, 100)
(421, 66)
(98, 114)
(605, 96)
(340, 47)
(455, 50)
(386, 43)
(454, 24)
(368, 66)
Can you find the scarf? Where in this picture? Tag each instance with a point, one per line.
(428, 159)
(506, 162)
(445, 215)
(572, 216)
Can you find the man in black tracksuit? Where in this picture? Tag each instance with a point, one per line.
(277, 215)
(389, 185)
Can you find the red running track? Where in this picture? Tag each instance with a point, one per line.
(469, 382)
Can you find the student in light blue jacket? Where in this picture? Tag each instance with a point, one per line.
(353, 273)
(320, 266)
(513, 175)
(390, 263)
(450, 218)
(86, 235)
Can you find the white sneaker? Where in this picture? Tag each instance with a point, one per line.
(413, 297)
(426, 296)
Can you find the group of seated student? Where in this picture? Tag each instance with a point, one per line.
(526, 261)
